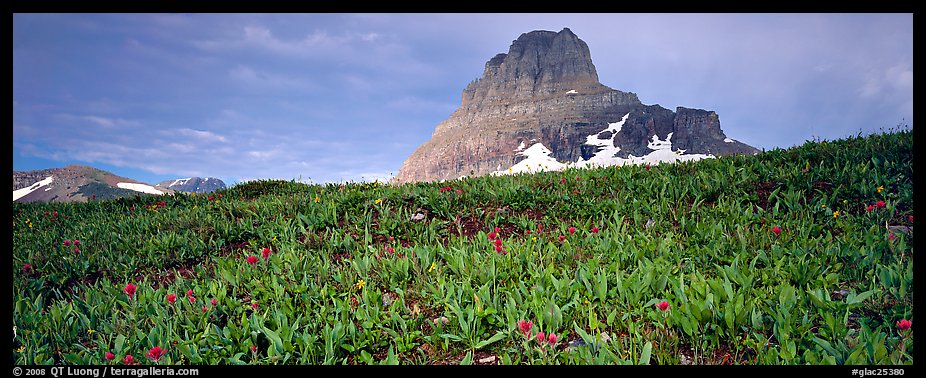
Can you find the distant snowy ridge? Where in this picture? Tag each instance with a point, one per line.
(17, 194)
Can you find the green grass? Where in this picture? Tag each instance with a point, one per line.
(352, 279)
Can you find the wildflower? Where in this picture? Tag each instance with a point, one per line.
(265, 253)
(551, 338)
(254, 305)
(880, 188)
(189, 293)
(541, 337)
(205, 309)
(253, 348)
(20, 349)
(575, 191)
(390, 249)
(316, 198)
(27, 268)
(562, 180)
(214, 301)
(360, 284)
(67, 243)
(130, 289)
(192, 300)
(378, 201)
(880, 204)
(171, 298)
(870, 208)
(910, 218)
(252, 260)
(154, 354)
(459, 191)
(110, 356)
(498, 229)
(89, 331)
(498, 242)
(836, 214)
(433, 266)
(776, 230)
(891, 237)
(492, 236)
(572, 230)
(128, 360)
(663, 305)
(904, 324)
(594, 230)
(525, 326)
(77, 242)
(76, 250)
(499, 249)
(562, 237)
(647, 166)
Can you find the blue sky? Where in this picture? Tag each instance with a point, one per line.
(333, 97)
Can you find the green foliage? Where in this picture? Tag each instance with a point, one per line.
(368, 273)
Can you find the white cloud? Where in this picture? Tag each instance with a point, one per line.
(896, 78)
(205, 136)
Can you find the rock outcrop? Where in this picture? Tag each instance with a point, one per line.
(193, 184)
(545, 90)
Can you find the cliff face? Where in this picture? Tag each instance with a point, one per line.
(545, 90)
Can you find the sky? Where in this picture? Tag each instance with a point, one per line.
(348, 97)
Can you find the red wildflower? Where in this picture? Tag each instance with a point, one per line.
(171, 298)
(254, 305)
(445, 189)
(647, 166)
(663, 305)
(110, 356)
(76, 250)
(76, 242)
(498, 229)
(525, 326)
(498, 242)
(154, 354)
(594, 230)
(460, 191)
(265, 252)
(498, 249)
(562, 180)
(539, 227)
(575, 191)
(870, 208)
(776, 230)
(891, 236)
(562, 237)
(27, 268)
(67, 243)
(880, 204)
(189, 293)
(130, 289)
(572, 230)
(390, 249)
(551, 338)
(252, 260)
(492, 236)
(128, 360)
(210, 198)
(214, 301)
(54, 213)
(192, 300)
(254, 348)
(541, 337)
(205, 309)
(910, 218)
(904, 324)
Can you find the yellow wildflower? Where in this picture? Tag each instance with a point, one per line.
(316, 198)
(21, 349)
(379, 200)
(360, 284)
(433, 265)
(880, 188)
(836, 214)
(89, 331)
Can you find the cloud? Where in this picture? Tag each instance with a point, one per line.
(205, 136)
(262, 79)
(895, 78)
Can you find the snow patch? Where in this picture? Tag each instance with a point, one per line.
(728, 140)
(572, 91)
(179, 182)
(520, 146)
(20, 193)
(537, 159)
(139, 187)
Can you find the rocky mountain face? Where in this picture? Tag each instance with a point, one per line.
(75, 183)
(545, 90)
(193, 185)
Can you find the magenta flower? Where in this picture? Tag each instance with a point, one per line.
(498, 242)
(252, 260)
(880, 204)
(491, 235)
(67, 243)
(551, 338)
(663, 306)
(192, 299)
(891, 237)
(110, 356)
(904, 324)
(129, 289)
(499, 249)
(128, 360)
(27, 268)
(171, 298)
(910, 218)
(76, 242)
(390, 249)
(562, 237)
(572, 230)
(541, 337)
(189, 293)
(76, 250)
(154, 354)
(594, 230)
(214, 301)
(255, 305)
(265, 253)
(205, 309)
(253, 348)
(525, 326)
(870, 208)
(776, 230)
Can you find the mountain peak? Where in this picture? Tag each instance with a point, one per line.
(537, 63)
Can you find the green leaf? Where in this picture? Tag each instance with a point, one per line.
(468, 360)
(645, 356)
(498, 336)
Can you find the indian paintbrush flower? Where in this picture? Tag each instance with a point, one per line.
(252, 260)
(525, 326)
(154, 354)
(572, 230)
(776, 230)
(110, 356)
(663, 306)
(214, 301)
(128, 360)
(594, 230)
(129, 289)
(904, 324)
(189, 293)
(265, 253)
(171, 298)
(880, 204)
